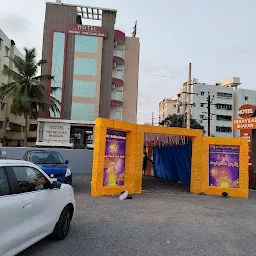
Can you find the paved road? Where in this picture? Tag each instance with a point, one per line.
(165, 220)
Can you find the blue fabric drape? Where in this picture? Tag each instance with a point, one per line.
(173, 162)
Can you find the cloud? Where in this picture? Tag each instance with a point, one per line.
(15, 25)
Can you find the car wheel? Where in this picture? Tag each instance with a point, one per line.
(62, 227)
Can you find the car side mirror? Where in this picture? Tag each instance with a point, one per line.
(55, 184)
(66, 162)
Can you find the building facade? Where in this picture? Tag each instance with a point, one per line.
(11, 126)
(167, 107)
(95, 67)
(226, 98)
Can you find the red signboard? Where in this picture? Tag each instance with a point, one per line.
(87, 30)
(247, 111)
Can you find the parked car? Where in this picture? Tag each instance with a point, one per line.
(52, 164)
(32, 206)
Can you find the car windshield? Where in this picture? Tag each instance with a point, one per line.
(46, 158)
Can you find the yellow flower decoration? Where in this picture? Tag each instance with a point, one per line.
(214, 172)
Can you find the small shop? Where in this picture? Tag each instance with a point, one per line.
(65, 133)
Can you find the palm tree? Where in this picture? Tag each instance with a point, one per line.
(27, 89)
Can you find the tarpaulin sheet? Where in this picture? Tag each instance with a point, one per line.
(173, 162)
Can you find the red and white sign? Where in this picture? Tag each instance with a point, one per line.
(246, 111)
(87, 30)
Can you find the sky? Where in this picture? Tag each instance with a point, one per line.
(218, 37)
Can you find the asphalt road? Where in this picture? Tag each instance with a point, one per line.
(164, 220)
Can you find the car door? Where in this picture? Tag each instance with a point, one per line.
(40, 204)
(11, 215)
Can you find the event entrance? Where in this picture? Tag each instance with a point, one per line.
(167, 162)
(204, 164)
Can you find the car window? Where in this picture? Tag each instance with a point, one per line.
(46, 158)
(4, 186)
(29, 179)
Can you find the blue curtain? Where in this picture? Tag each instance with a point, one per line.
(173, 162)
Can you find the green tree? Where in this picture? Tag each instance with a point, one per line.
(179, 121)
(26, 89)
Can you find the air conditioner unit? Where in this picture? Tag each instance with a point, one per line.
(113, 86)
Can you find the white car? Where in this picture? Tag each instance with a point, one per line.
(32, 206)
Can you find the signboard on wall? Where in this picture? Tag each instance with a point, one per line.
(114, 165)
(247, 111)
(53, 134)
(224, 166)
(87, 30)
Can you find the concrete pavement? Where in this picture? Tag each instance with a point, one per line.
(165, 220)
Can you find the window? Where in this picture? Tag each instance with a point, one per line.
(202, 116)
(29, 179)
(82, 111)
(1, 125)
(86, 89)
(1, 43)
(246, 98)
(119, 95)
(84, 66)
(224, 106)
(57, 66)
(118, 115)
(4, 185)
(202, 93)
(224, 95)
(224, 118)
(46, 158)
(6, 51)
(32, 127)
(86, 44)
(223, 129)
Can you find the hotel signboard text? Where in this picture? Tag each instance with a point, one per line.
(87, 30)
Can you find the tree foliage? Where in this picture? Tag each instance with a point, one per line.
(180, 121)
(26, 89)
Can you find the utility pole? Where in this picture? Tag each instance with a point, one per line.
(209, 114)
(189, 96)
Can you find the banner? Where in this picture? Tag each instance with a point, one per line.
(224, 166)
(114, 164)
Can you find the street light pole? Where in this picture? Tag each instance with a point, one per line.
(189, 97)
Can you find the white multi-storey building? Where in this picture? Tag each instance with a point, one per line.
(226, 98)
(167, 107)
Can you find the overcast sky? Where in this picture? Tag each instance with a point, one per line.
(217, 36)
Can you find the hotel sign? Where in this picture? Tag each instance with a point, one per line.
(247, 111)
(87, 30)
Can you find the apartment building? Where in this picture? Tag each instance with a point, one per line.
(226, 98)
(11, 126)
(95, 67)
(167, 107)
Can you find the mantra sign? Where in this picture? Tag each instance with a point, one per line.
(87, 30)
(247, 111)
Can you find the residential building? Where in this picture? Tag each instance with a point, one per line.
(226, 98)
(95, 67)
(167, 107)
(11, 126)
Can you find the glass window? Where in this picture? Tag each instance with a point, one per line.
(82, 111)
(29, 179)
(57, 65)
(46, 158)
(86, 44)
(118, 95)
(84, 66)
(4, 185)
(246, 98)
(118, 74)
(119, 53)
(85, 89)
(1, 43)
(117, 115)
